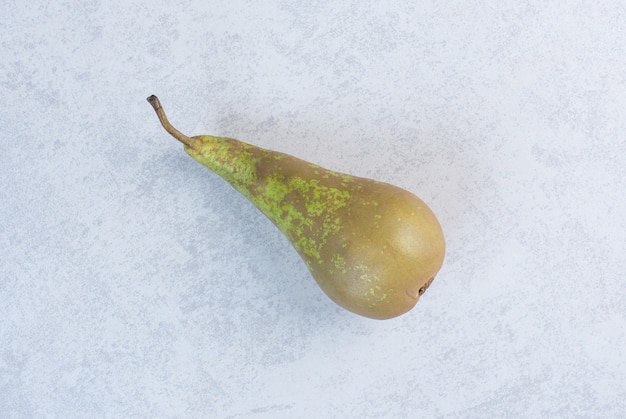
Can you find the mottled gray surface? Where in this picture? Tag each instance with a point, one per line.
(135, 283)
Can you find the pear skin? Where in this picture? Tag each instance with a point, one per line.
(372, 247)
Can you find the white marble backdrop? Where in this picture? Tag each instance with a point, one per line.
(134, 283)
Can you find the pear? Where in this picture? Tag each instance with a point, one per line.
(372, 247)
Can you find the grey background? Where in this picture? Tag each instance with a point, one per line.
(135, 283)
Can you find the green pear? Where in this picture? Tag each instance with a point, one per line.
(372, 247)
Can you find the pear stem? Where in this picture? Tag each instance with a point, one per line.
(156, 104)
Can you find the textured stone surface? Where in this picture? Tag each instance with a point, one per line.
(135, 283)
